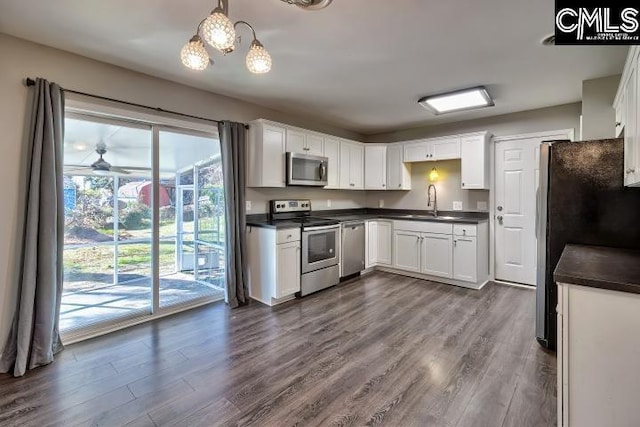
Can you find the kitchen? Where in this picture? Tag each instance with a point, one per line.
(327, 235)
(451, 246)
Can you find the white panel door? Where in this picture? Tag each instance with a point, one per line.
(445, 148)
(517, 169)
(296, 141)
(288, 269)
(437, 256)
(375, 167)
(515, 210)
(332, 152)
(465, 259)
(315, 144)
(406, 250)
(384, 235)
(631, 172)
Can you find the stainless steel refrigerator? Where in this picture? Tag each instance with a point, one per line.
(581, 200)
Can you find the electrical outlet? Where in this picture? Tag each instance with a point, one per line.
(381, 203)
(248, 205)
(328, 203)
(482, 206)
(457, 206)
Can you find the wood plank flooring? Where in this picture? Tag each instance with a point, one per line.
(381, 350)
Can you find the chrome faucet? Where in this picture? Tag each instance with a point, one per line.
(435, 199)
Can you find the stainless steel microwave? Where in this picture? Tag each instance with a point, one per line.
(305, 169)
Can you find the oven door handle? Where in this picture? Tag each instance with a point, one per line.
(322, 228)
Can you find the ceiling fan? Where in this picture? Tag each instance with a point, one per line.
(100, 166)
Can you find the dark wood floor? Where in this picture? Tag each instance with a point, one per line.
(383, 350)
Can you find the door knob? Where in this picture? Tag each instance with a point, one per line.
(499, 208)
(500, 218)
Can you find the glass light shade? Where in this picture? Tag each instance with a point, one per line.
(218, 31)
(433, 175)
(258, 59)
(194, 55)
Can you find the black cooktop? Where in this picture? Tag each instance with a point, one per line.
(310, 221)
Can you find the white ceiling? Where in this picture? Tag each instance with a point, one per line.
(130, 147)
(359, 64)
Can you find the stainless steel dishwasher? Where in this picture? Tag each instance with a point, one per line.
(352, 250)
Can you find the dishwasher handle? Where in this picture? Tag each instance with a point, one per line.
(353, 225)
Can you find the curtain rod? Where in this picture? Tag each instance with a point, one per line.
(31, 82)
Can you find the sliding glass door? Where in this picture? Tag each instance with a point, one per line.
(122, 263)
(190, 227)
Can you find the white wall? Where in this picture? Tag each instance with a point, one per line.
(339, 199)
(598, 114)
(20, 59)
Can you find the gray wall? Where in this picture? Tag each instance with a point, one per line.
(598, 114)
(22, 59)
(448, 187)
(339, 199)
(544, 119)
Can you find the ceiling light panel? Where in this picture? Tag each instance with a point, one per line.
(462, 100)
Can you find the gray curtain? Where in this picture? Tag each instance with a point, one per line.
(34, 336)
(233, 137)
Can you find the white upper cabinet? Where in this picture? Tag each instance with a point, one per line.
(627, 106)
(445, 148)
(315, 144)
(417, 151)
(398, 172)
(474, 167)
(351, 165)
(266, 155)
(620, 114)
(332, 152)
(296, 141)
(375, 167)
(301, 141)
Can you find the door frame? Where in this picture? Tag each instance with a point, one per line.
(552, 134)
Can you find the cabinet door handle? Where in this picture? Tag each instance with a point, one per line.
(384, 185)
(630, 171)
(618, 124)
(455, 243)
(399, 185)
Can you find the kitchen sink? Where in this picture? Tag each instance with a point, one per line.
(436, 217)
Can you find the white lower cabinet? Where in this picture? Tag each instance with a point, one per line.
(598, 352)
(458, 253)
(436, 255)
(273, 279)
(287, 269)
(406, 250)
(465, 259)
(379, 243)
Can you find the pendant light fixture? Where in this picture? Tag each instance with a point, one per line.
(219, 32)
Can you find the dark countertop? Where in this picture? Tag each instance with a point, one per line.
(454, 217)
(599, 267)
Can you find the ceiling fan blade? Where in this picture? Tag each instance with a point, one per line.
(118, 170)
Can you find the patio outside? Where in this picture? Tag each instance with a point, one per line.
(108, 243)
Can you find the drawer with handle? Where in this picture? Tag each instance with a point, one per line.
(465, 230)
(288, 235)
